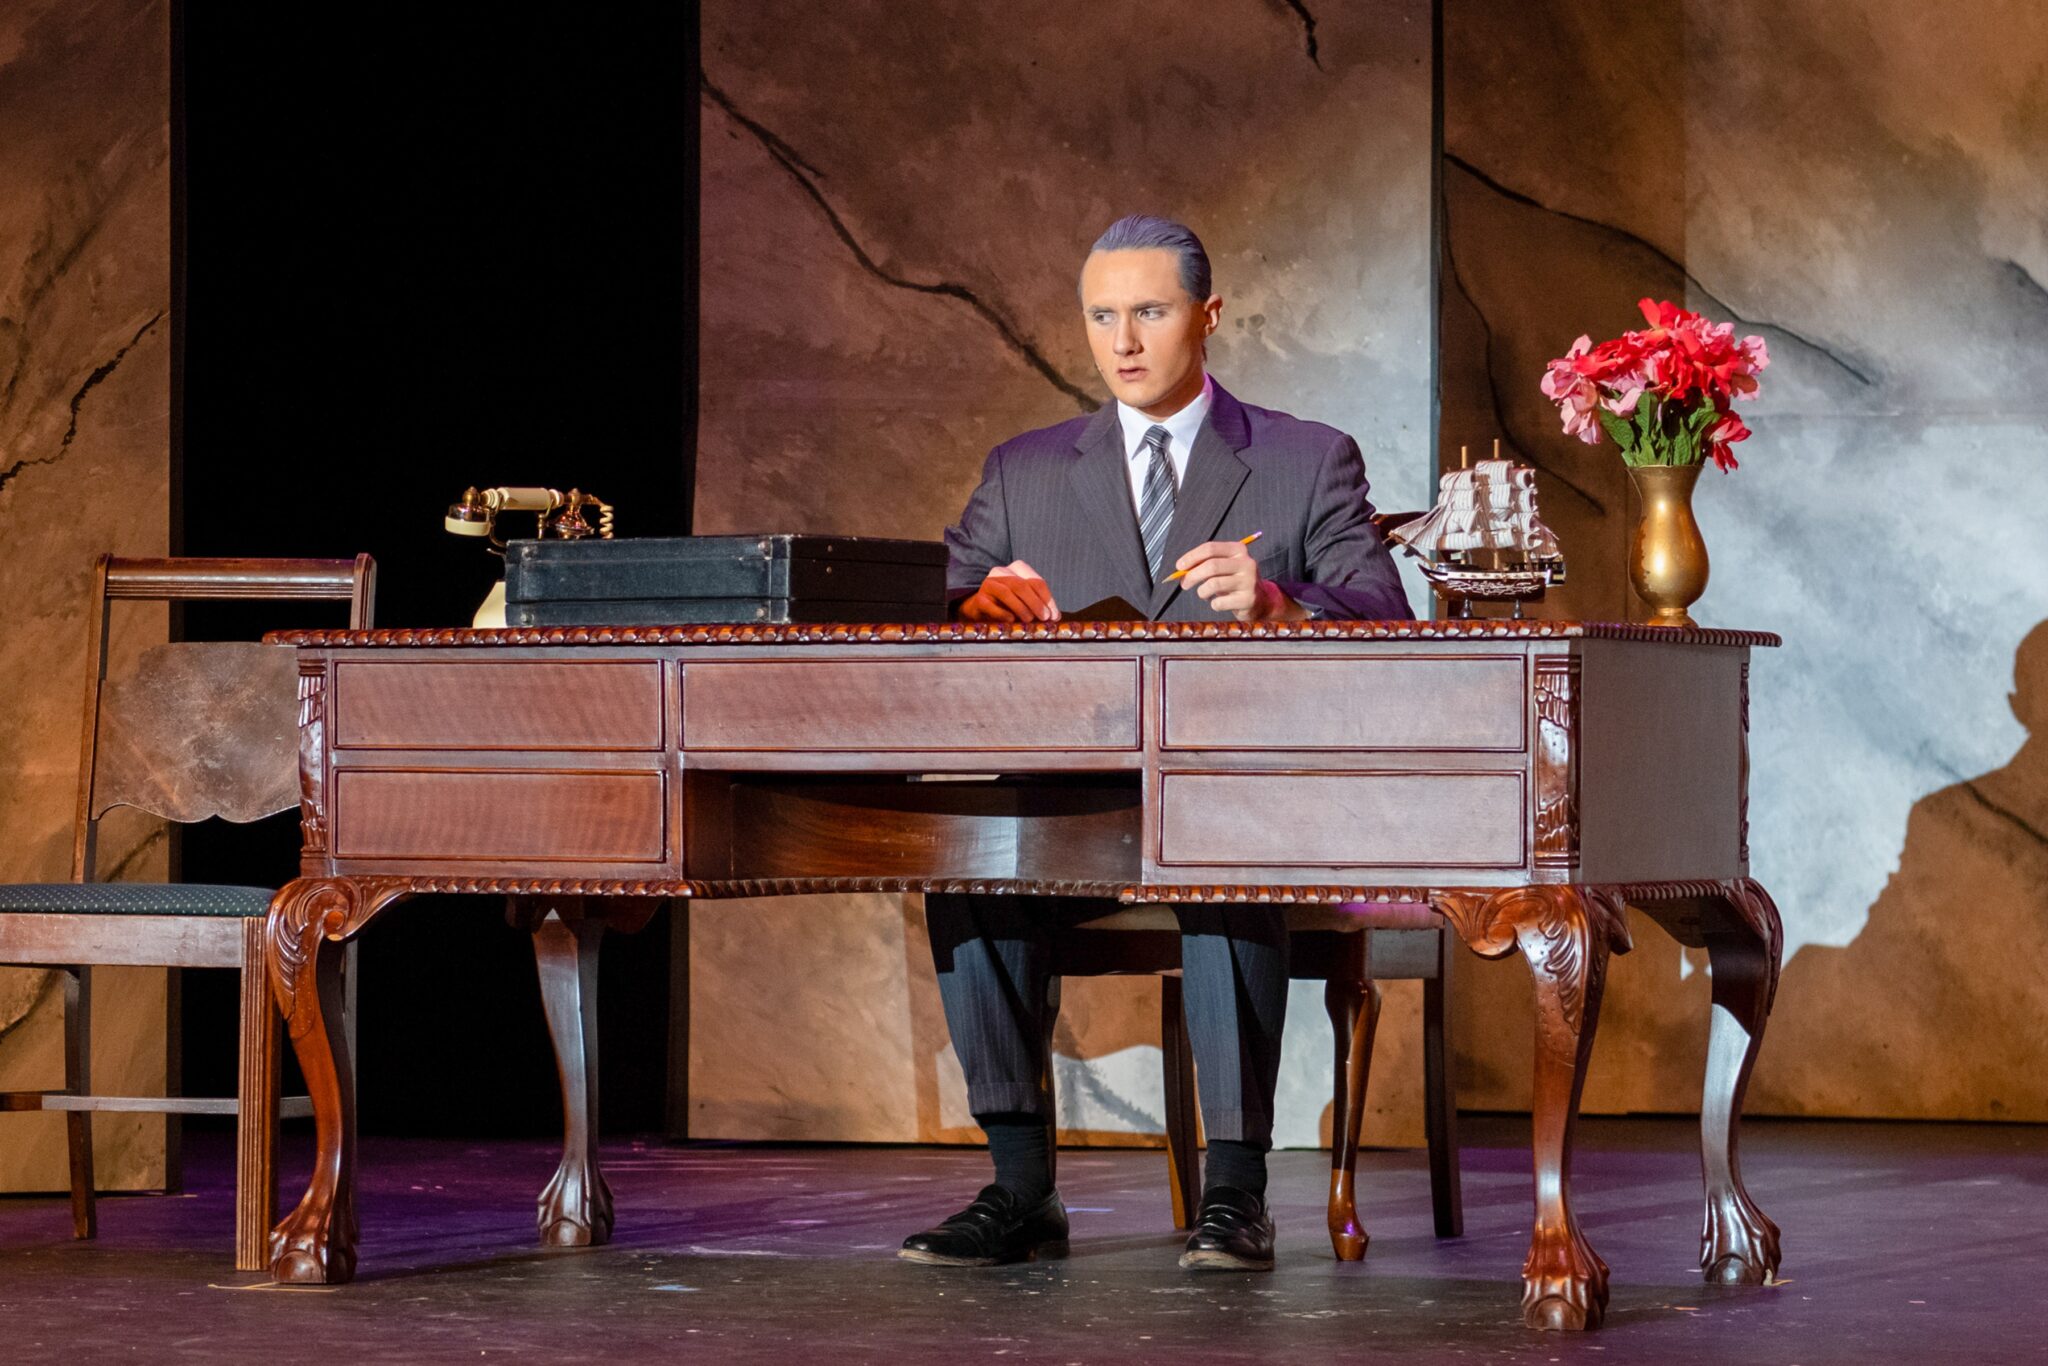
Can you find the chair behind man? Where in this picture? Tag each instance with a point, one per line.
(1350, 949)
(198, 730)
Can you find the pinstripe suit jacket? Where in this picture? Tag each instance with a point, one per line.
(1060, 500)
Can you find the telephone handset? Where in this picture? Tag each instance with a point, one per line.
(560, 518)
(561, 514)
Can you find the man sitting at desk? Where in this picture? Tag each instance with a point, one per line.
(1176, 474)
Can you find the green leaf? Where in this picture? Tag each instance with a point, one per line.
(1649, 431)
(1623, 434)
(1681, 445)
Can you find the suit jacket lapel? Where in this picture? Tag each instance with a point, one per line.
(1102, 482)
(1214, 476)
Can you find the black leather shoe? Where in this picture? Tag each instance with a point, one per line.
(1233, 1232)
(995, 1229)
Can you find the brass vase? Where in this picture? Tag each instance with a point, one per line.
(1667, 559)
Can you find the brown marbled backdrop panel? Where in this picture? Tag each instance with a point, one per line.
(896, 201)
(1864, 186)
(84, 467)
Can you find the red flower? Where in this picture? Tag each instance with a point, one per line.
(1663, 315)
(1723, 434)
(1696, 355)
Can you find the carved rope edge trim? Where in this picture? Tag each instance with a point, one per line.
(919, 633)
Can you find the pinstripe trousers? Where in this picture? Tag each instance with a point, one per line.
(994, 960)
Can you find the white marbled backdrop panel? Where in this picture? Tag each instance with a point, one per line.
(896, 201)
(1864, 186)
(1893, 532)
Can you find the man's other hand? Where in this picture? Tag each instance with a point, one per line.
(1011, 592)
(1224, 575)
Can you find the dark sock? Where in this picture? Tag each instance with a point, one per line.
(1021, 1148)
(1232, 1163)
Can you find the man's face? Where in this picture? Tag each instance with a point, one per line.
(1145, 331)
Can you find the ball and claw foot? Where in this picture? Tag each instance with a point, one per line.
(299, 1255)
(1738, 1244)
(576, 1210)
(1565, 1285)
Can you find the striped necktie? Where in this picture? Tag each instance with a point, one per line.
(1155, 509)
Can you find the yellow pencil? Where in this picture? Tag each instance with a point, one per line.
(1247, 540)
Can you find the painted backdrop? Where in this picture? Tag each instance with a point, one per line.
(1864, 186)
(85, 383)
(894, 208)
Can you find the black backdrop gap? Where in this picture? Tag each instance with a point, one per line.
(424, 248)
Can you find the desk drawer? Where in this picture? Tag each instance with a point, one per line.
(1343, 820)
(1446, 702)
(615, 817)
(479, 705)
(1000, 705)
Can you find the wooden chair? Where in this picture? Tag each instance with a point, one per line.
(199, 729)
(1349, 949)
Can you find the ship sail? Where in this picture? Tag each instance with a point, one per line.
(1491, 506)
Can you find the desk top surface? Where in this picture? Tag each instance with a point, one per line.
(945, 632)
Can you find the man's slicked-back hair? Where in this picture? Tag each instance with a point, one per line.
(1139, 231)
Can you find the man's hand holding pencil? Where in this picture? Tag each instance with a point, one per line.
(1224, 575)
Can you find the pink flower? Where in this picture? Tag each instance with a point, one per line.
(1626, 388)
(1574, 394)
(1577, 411)
(1759, 356)
(1624, 402)
(1562, 374)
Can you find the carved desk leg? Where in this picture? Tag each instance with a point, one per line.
(1354, 1008)
(1738, 1244)
(309, 919)
(576, 1207)
(1565, 933)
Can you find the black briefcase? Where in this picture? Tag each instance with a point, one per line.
(771, 579)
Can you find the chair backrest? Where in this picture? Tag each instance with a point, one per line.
(1383, 522)
(200, 728)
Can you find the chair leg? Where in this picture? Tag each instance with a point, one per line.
(1440, 1086)
(349, 987)
(78, 1081)
(1048, 1082)
(677, 1100)
(174, 1079)
(1354, 1005)
(1183, 1141)
(256, 1099)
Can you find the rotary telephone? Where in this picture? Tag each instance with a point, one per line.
(560, 518)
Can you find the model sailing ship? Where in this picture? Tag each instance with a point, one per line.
(1489, 510)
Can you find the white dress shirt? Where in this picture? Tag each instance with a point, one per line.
(1181, 430)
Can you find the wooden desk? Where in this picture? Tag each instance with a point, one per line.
(1526, 779)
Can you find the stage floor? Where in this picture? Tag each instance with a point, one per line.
(1903, 1242)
